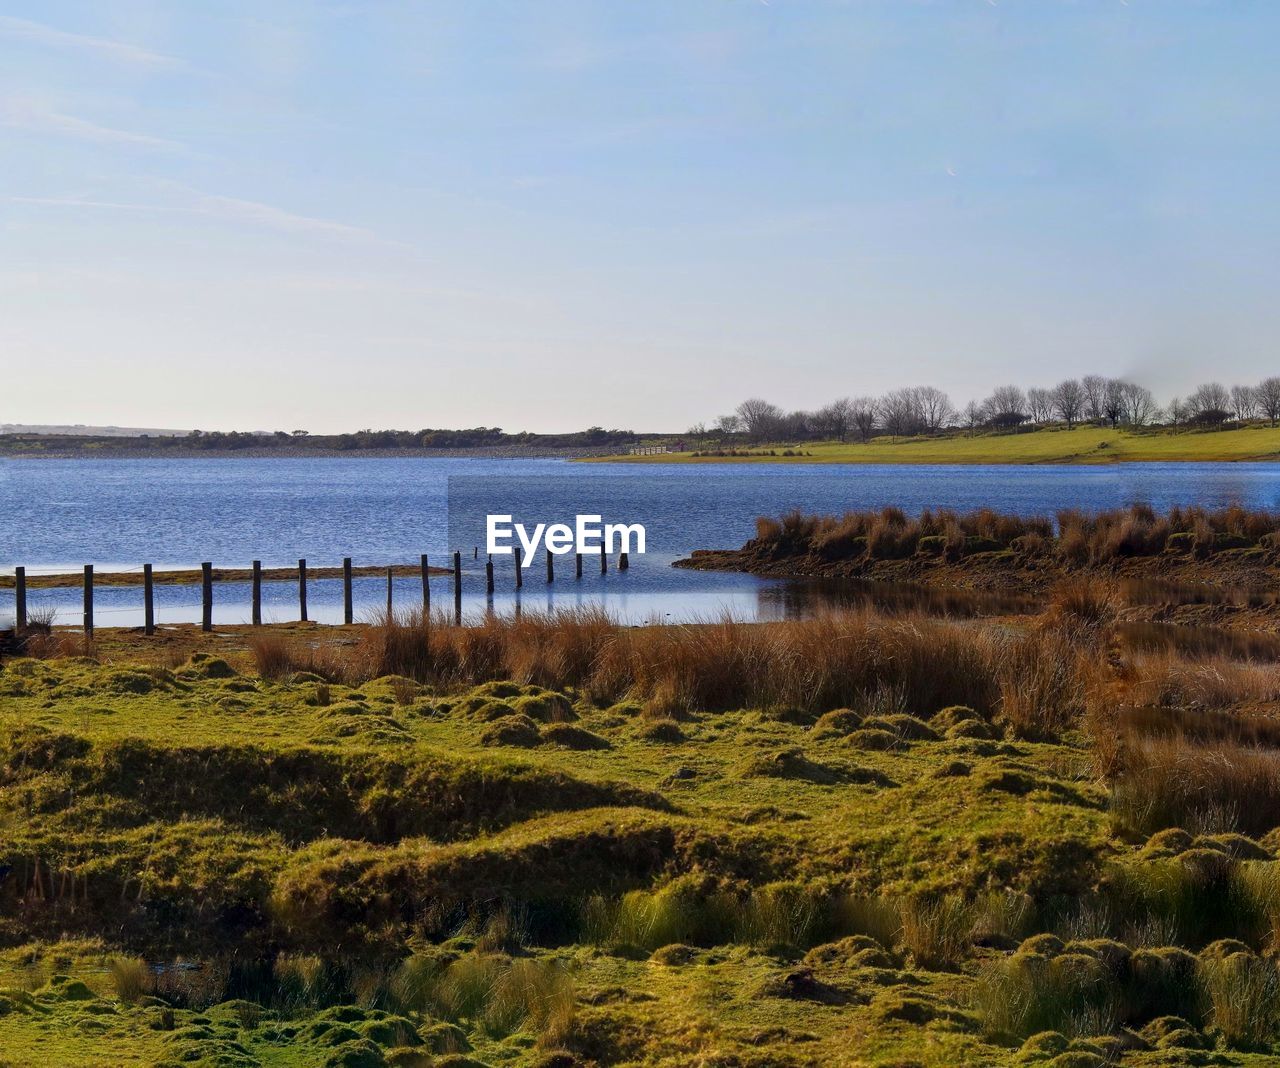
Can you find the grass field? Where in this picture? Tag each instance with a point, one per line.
(850, 841)
(1083, 445)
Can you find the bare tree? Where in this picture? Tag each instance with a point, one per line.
(1268, 391)
(1068, 401)
(1039, 405)
(1138, 406)
(1177, 412)
(1095, 393)
(900, 412)
(1244, 402)
(1113, 401)
(1210, 403)
(729, 424)
(760, 419)
(934, 408)
(1006, 407)
(973, 416)
(835, 419)
(863, 412)
(698, 431)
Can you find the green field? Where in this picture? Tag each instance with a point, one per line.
(205, 866)
(1083, 445)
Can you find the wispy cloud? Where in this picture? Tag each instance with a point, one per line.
(22, 114)
(116, 51)
(232, 209)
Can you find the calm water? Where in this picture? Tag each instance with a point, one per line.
(61, 514)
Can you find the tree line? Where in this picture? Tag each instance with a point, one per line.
(917, 410)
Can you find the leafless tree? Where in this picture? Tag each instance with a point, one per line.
(1039, 404)
(900, 412)
(973, 416)
(1006, 407)
(1068, 401)
(1113, 401)
(1210, 403)
(933, 407)
(835, 419)
(1095, 394)
(1177, 412)
(1268, 391)
(863, 412)
(1244, 402)
(1138, 406)
(760, 419)
(729, 424)
(698, 431)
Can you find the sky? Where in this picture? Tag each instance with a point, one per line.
(336, 215)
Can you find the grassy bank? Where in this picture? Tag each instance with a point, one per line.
(1082, 445)
(553, 841)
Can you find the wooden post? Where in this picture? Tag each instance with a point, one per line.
(206, 598)
(257, 593)
(390, 609)
(302, 590)
(426, 586)
(577, 565)
(457, 577)
(88, 599)
(348, 604)
(20, 598)
(604, 560)
(148, 601)
(551, 567)
(519, 570)
(488, 577)
(622, 562)
(475, 553)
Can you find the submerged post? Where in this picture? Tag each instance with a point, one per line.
(206, 596)
(426, 585)
(551, 567)
(348, 607)
(577, 565)
(302, 590)
(20, 598)
(257, 593)
(148, 601)
(88, 599)
(622, 562)
(604, 560)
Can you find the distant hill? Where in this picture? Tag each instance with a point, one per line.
(80, 430)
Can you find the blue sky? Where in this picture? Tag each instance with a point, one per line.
(547, 215)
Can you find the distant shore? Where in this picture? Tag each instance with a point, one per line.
(497, 452)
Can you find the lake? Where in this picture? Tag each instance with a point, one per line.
(117, 514)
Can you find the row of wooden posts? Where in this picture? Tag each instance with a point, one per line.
(348, 606)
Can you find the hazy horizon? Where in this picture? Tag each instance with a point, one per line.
(331, 216)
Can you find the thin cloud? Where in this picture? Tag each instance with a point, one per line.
(232, 209)
(116, 51)
(23, 115)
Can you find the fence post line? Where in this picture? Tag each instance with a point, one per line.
(257, 593)
(551, 567)
(426, 585)
(622, 562)
(88, 599)
(348, 608)
(302, 590)
(206, 596)
(20, 597)
(577, 565)
(148, 601)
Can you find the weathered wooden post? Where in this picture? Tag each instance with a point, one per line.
(426, 587)
(457, 578)
(20, 598)
(551, 567)
(257, 593)
(488, 576)
(515, 554)
(302, 590)
(88, 600)
(148, 601)
(206, 596)
(390, 615)
(348, 605)
(622, 562)
(577, 565)
(604, 560)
